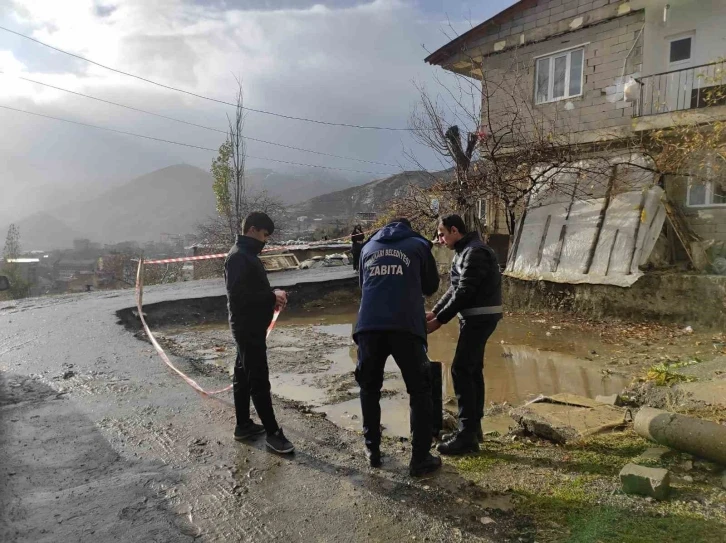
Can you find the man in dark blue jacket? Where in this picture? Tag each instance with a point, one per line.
(396, 270)
(251, 303)
(475, 295)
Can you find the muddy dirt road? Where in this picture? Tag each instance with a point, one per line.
(101, 443)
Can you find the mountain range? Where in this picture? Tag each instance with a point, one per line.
(174, 199)
(369, 198)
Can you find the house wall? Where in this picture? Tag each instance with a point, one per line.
(600, 108)
(706, 17)
(709, 223)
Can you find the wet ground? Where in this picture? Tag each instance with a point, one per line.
(100, 442)
(312, 358)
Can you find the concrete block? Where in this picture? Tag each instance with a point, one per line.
(653, 482)
(584, 8)
(613, 399)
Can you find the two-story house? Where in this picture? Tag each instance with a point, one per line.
(608, 70)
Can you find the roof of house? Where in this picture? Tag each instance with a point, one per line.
(457, 45)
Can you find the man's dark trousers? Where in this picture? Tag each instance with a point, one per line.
(409, 352)
(467, 369)
(252, 379)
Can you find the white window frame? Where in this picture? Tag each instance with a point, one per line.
(678, 37)
(551, 80)
(708, 185)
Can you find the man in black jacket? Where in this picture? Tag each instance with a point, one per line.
(396, 270)
(251, 303)
(475, 295)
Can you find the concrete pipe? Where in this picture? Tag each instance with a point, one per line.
(701, 438)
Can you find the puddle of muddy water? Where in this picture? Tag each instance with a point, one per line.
(513, 372)
(313, 358)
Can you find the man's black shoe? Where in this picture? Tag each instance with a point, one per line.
(374, 458)
(248, 430)
(461, 444)
(428, 464)
(279, 443)
(452, 436)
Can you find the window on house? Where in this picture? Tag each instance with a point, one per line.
(707, 193)
(559, 76)
(680, 50)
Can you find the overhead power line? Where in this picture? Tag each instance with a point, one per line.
(176, 89)
(195, 124)
(184, 144)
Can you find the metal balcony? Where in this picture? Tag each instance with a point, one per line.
(681, 90)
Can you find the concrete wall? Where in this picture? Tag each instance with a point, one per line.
(706, 18)
(696, 300)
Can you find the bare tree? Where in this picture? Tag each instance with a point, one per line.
(499, 148)
(228, 170)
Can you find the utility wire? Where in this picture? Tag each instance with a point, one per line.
(290, 117)
(183, 144)
(194, 124)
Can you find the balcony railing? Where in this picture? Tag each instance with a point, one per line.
(680, 90)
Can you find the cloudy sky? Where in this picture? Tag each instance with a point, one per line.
(346, 61)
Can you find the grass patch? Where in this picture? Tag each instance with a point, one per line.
(606, 454)
(570, 513)
(477, 463)
(664, 374)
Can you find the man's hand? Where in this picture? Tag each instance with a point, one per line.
(432, 326)
(280, 299)
(430, 315)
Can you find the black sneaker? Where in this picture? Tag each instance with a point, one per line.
(248, 430)
(374, 458)
(461, 444)
(429, 464)
(279, 443)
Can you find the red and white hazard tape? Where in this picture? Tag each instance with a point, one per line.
(139, 305)
(185, 259)
(159, 349)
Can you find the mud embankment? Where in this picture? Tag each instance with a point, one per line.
(213, 309)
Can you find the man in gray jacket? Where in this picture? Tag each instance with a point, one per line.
(475, 295)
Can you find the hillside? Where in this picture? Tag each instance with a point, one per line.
(370, 197)
(174, 199)
(43, 232)
(295, 187)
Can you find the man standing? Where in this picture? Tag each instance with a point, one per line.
(475, 295)
(396, 270)
(251, 303)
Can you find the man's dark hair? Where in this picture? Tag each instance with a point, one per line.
(404, 220)
(259, 220)
(454, 220)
